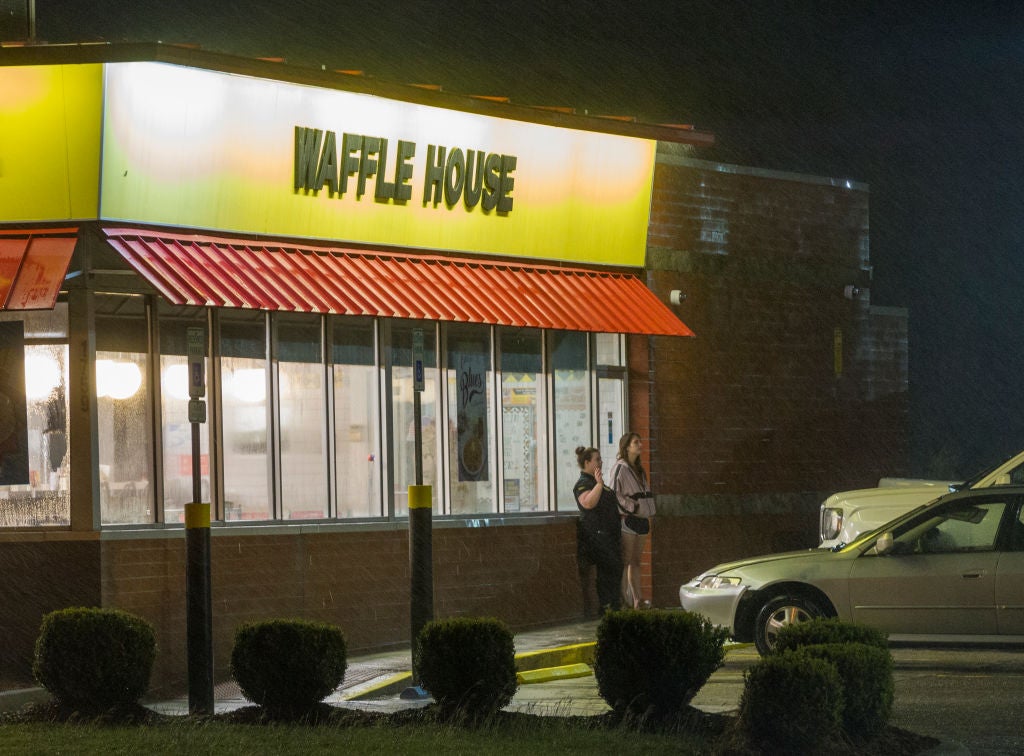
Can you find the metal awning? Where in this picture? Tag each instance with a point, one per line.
(33, 263)
(209, 271)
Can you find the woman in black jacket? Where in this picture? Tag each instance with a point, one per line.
(599, 539)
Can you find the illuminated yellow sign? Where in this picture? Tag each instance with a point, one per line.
(208, 150)
(49, 142)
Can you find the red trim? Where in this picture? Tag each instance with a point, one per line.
(227, 272)
(33, 264)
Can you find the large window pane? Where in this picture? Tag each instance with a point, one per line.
(123, 410)
(303, 417)
(572, 410)
(244, 406)
(610, 393)
(470, 407)
(175, 426)
(522, 426)
(34, 463)
(403, 436)
(356, 435)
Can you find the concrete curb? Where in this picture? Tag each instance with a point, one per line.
(13, 700)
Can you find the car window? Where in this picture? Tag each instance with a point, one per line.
(969, 525)
(1016, 538)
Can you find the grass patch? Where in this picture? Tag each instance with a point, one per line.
(250, 731)
(512, 735)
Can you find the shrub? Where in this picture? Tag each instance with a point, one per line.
(655, 662)
(791, 703)
(868, 688)
(467, 664)
(827, 630)
(288, 666)
(94, 659)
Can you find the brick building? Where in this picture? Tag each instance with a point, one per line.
(161, 192)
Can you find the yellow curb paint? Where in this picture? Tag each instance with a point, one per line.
(553, 673)
(383, 687)
(553, 657)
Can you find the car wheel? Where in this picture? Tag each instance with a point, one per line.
(776, 614)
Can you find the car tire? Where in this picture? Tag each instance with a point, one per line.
(776, 614)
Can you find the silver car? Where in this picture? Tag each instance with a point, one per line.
(950, 570)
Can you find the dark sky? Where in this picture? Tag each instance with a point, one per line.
(923, 101)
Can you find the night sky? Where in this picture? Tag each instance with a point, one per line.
(923, 101)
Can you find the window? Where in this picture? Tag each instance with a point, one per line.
(571, 380)
(302, 403)
(470, 420)
(356, 425)
(962, 526)
(123, 410)
(611, 393)
(176, 430)
(403, 426)
(244, 408)
(34, 463)
(523, 409)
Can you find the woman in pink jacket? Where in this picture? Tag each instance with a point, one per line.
(636, 507)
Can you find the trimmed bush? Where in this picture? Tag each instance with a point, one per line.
(94, 659)
(868, 688)
(288, 666)
(791, 703)
(467, 664)
(655, 662)
(822, 630)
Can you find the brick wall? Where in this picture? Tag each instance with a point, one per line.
(40, 576)
(524, 575)
(760, 401)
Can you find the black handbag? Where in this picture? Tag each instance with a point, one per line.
(639, 525)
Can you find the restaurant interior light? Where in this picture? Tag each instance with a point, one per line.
(42, 375)
(117, 379)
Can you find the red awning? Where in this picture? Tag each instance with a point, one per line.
(221, 272)
(33, 263)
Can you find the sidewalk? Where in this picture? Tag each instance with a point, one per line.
(555, 677)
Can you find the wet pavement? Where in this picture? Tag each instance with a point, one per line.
(553, 662)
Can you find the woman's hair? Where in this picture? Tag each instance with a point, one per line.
(583, 454)
(623, 454)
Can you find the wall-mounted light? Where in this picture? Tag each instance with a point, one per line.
(676, 297)
(851, 291)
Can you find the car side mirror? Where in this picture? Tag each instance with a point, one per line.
(884, 544)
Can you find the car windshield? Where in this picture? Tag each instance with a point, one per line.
(1015, 475)
(871, 535)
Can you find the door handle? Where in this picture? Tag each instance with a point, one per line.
(974, 575)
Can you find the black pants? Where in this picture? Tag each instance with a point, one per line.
(603, 551)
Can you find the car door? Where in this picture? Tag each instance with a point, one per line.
(939, 577)
(1010, 577)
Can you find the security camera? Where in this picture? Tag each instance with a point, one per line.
(676, 297)
(851, 291)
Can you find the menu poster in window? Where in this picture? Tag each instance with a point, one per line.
(13, 414)
(471, 389)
